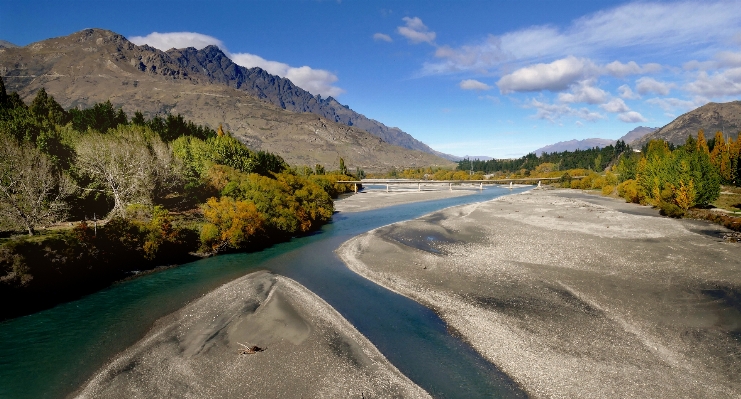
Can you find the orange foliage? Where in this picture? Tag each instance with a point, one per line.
(230, 223)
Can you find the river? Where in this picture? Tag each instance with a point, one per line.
(51, 353)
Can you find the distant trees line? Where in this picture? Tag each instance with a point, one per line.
(596, 159)
(165, 188)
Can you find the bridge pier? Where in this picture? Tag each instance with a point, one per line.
(355, 187)
(481, 186)
(451, 186)
(419, 186)
(387, 187)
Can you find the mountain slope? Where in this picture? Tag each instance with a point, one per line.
(573, 145)
(637, 134)
(96, 65)
(711, 117)
(283, 93)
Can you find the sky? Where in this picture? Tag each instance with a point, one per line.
(486, 78)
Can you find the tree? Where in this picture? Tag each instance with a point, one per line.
(3, 95)
(721, 158)
(343, 168)
(130, 164)
(231, 223)
(32, 192)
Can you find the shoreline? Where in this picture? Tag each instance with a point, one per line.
(528, 280)
(376, 198)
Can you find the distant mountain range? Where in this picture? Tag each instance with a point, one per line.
(711, 117)
(6, 44)
(264, 111)
(573, 145)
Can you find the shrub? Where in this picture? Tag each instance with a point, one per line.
(231, 223)
(629, 191)
(607, 189)
(671, 210)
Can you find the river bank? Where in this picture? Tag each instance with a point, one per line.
(376, 197)
(573, 295)
(309, 350)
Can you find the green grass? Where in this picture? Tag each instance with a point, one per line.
(730, 199)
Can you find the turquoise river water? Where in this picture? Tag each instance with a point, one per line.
(51, 353)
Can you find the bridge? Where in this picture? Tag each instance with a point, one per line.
(450, 183)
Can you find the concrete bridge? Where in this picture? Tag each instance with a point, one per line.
(450, 183)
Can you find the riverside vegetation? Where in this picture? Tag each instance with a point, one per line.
(165, 190)
(681, 180)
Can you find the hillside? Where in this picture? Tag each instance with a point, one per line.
(573, 145)
(711, 117)
(637, 134)
(95, 65)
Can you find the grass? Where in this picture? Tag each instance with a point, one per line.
(730, 199)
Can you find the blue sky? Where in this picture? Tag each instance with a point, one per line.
(487, 78)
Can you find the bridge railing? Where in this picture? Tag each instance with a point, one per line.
(420, 182)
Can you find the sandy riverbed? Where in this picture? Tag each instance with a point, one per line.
(310, 351)
(374, 198)
(572, 295)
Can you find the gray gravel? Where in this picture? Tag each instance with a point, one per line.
(311, 351)
(574, 296)
(373, 198)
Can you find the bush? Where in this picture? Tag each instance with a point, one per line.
(671, 210)
(629, 191)
(607, 189)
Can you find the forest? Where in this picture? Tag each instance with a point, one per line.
(89, 196)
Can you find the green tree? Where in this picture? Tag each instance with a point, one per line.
(130, 164)
(32, 192)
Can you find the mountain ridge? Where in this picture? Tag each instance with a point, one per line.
(711, 117)
(96, 65)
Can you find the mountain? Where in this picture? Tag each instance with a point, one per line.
(573, 145)
(711, 117)
(636, 134)
(212, 62)
(264, 111)
(6, 44)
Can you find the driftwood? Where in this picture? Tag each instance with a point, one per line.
(249, 350)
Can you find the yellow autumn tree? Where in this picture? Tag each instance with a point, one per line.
(702, 142)
(721, 158)
(230, 223)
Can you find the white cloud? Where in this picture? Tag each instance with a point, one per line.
(584, 92)
(620, 70)
(415, 31)
(315, 81)
(166, 41)
(728, 59)
(382, 37)
(647, 85)
(720, 84)
(615, 106)
(671, 104)
(658, 27)
(631, 117)
(556, 76)
(723, 59)
(471, 84)
(554, 112)
(626, 93)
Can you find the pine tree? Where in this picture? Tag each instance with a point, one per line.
(702, 143)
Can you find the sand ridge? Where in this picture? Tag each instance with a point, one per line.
(571, 296)
(310, 350)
